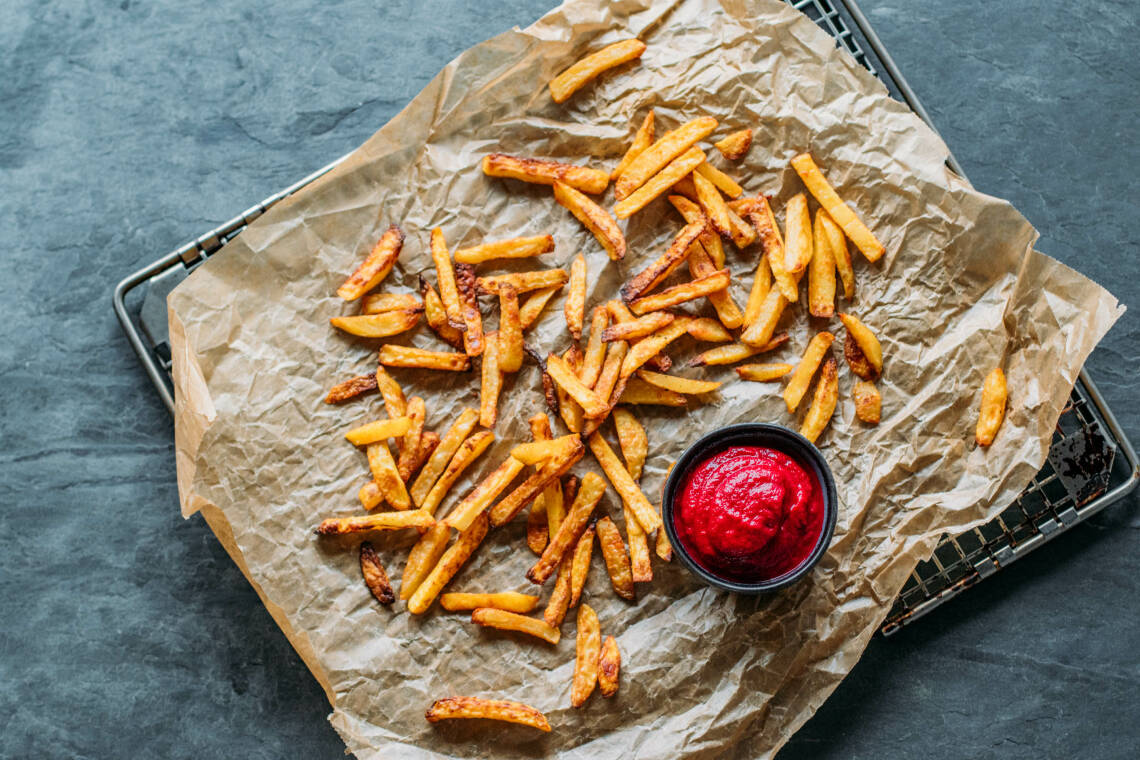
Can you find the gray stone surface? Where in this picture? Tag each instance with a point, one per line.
(128, 127)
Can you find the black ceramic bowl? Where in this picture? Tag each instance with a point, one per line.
(752, 434)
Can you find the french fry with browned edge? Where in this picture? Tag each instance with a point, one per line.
(450, 443)
(587, 651)
(839, 251)
(641, 140)
(375, 576)
(621, 314)
(865, 339)
(539, 451)
(375, 267)
(586, 70)
(568, 409)
(589, 494)
(640, 569)
(660, 183)
(537, 526)
(379, 430)
(616, 557)
(868, 402)
(632, 439)
(540, 172)
(701, 266)
(857, 361)
(553, 504)
(512, 248)
(489, 709)
(594, 218)
(559, 601)
(743, 234)
(511, 601)
(473, 339)
(419, 358)
(575, 306)
(708, 330)
(436, 315)
(761, 284)
(509, 337)
(713, 204)
(995, 394)
(378, 303)
(762, 373)
(387, 476)
(649, 346)
(468, 452)
(720, 180)
(797, 235)
(567, 379)
(480, 498)
(821, 272)
(380, 325)
(818, 186)
(429, 442)
(652, 276)
(532, 309)
(735, 352)
(823, 402)
(445, 276)
(423, 557)
(775, 251)
(709, 240)
(715, 282)
(351, 388)
(685, 385)
(637, 328)
(370, 495)
(524, 282)
(491, 381)
(569, 491)
(410, 443)
(797, 387)
(624, 484)
(448, 565)
(503, 620)
(762, 330)
(611, 370)
(595, 347)
(339, 526)
(581, 555)
(734, 146)
(637, 391)
(513, 503)
(609, 667)
(661, 153)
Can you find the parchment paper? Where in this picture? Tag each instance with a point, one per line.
(704, 673)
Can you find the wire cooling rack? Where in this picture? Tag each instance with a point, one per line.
(1091, 463)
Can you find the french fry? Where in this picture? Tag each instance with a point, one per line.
(609, 667)
(823, 402)
(473, 340)
(637, 391)
(797, 234)
(450, 443)
(659, 183)
(588, 647)
(418, 358)
(735, 352)
(708, 330)
(641, 140)
(567, 379)
(586, 70)
(379, 430)
(583, 552)
(647, 347)
(611, 370)
(387, 477)
(445, 276)
(569, 492)
(540, 172)
(378, 303)
(774, 250)
(734, 146)
(865, 339)
(491, 382)
(632, 439)
(594, 218)
(821, 272)
(423, 557)
(818, 186)
(616, 557)
(568, 409)
(637, 328)
(559, 601)
(709, 240)
(513, 503)
(551, 497)
(351, 388)
(480, 498)
(624, 484)
(839, 251)
(510, 330)
(429, 442)
(378, 325)
(370, 495)
(511, 601)
(537, 527)
(540, 451)
(490, 709)
(437, 315)
(575, 307)
(657, 156)
(468, 452)
(490, 617)
(685, 188)
(857, 360)
(652, 276)
(762, 373)
(797, 387)
(868, 402)
(339, 526)
(701, 266)
(448, 565)
(761, 331)
(716, 282)
(684, 385)
(663, 548)
(761, 284)
(375, 267)
(589, 494)
(375, 576)
(512, 248)
(995, 394)
(595, 347)
(712, 203)
(524, 282)
(743, 234)
(640, 569)
(722, 181)
(532, 309)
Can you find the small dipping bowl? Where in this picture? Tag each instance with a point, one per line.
(774, 437)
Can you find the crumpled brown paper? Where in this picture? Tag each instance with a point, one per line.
(704, 672)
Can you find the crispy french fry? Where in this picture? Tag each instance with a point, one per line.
(524, 282)
(468, 452)
(370, 495)
(839, 251)
(734, 146)
(423, 557)
(378, 325)
(559, 601)
(647, 347)
(632, 439)
(662, 546)
(595, 347)
(378, 303)
(512, 248)
(638, 328)
(708, 330)
(774, 250)
(722, 181)
(611, 370)
(586, 70)
(588, 647)
(995, 394)
(351, 388)
(339, 526)
(583, 552)
(713, 203)
(657, 156)
(857, 360)
(652, 276)
(761, 284)
(510, 338)
(642, 140)
(821, 272)
(491, 382)
(575, 307)
(684, 385)
(569, 491)
(473, 340)
(659, 183)
(513, 503)
(735, 352)
(616, 557)
(762, 373)
(818, 186)
(480, 498)
(797, 387)
(448, 565)
(701, 266)
(589, 494)
(551, 497)
(429, 442)
(375, 267)
(537, 526)
(379, 430)
(436, 315)
(640, 569)
(868, 402)
(445, 275)
(637, 391)
(761, 331)
(418, 358)
(567, 379)
(624, 484)
(539, 451)
(532, 309)
(823, 402)
(541, 172)
(490, 709)
(511, 601)
(594, 218)
(387, 477)
(568, 409)
(375, 576)
(609, 667)
(716, 282)
(503, 620)
(743, 234)
(865, 339)
(450, 443)
(797, 234)
(709, 240)
(685, 188)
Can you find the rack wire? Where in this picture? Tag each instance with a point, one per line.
(1091, 463)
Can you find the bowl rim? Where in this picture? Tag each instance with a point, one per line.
(747, 433)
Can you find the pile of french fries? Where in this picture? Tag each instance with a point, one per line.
(624, 363)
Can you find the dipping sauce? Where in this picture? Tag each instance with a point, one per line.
(749, 513)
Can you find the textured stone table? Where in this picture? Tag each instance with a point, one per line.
(128, 127)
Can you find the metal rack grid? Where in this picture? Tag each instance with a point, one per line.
(1091, 463)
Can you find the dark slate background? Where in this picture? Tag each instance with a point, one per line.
(128, 127)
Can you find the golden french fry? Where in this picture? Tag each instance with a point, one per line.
(450, 443)
(637, 391)
(821, 272)
(568, 409)
(436, 315)
(569, 490)
(595, 218)
(701, 266)
(445, 275)
(647, 347)
(798, 239)
(684, 385)
(642, 140)
(735, 352)
(865, 339)
(468, 452)
(722, 181)
(611, 370)
(511, 601)
(575, 307)
(816, 349)
(712, 203)
(567, 379)
(510, 340)
(583, 552)
(716, 282)
(540, 451)
(513, 503)
(685, 188)
(708, 330)
(659, 183)
(387, 476)
(351, 388)
(638, 328)
(407, 356)
(640, 569)
(378, 325)
(761, 331)
(709, 240)
(503, 620)
(559, 601)
(588, 648)
(609, 666)
(657, 156)
(473, 339)
(589, 494)
(537, 527)
(595, 347)
(551, 497)
(842, 256)
(734, 146)
(774, 250)
(491, 382)
(761, 284)
(375, 267)
(513, 248)
(370, 495)
(586, 70)
(378, 303)
(994, 397)
(532, 309)
(379, 430)
(476, 502)
(375, 576)
(448, 565)
(868, 402)
(857, 360)
(524, 282)
(663, 548)
(818, 186)
(339, 526)
(490, 709)
(762, 373)
(540, 172)
(823, 402)
(743, 234)
(624, 484)
(632, 439)
(423, 557)
(616, 557)
(429, 442)
(652, 276)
